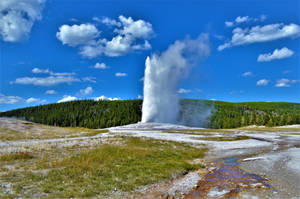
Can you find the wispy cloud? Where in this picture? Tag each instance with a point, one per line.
(285, 82)
(184, 91)
(121, 74)
(87, 91)
(51, 92)
(35, 100)
(10, 99)
(261, 34)
(53, 79)
(242, 19)
(247, 74)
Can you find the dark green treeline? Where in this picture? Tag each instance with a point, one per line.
(103, 114)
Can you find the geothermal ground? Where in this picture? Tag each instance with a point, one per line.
(148, 160)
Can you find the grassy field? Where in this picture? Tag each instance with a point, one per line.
(123, 165)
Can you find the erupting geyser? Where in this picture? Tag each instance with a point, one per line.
(162, 75)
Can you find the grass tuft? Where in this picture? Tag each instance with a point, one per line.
(17, 156)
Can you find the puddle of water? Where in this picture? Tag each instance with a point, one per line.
(226, 181)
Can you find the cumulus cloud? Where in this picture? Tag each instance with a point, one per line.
(50, 92)
(121, 74)
(184, 91)
(67, 98)
(77, 34)
(53, 79)
(10, 99)
(103, 98)
(87, 91)
(247, 74)
(285, 82)
(277, 54)
(261, 34)
(17, 18)
(140, 97)
(100, 66)
(35, 100)
(129, 35)
(262, 82)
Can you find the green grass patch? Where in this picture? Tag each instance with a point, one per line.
(137, 162)
(225, 138)
(16, 156)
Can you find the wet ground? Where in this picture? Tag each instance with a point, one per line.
(227, 180)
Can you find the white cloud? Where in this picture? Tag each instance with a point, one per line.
(100, 66)
(47, 71)
(50, 92)
(240, 19)
(285, 82)
(53, 79)
(40, 71)
(129, 35)
(45, 81)
(77, 34)
(262, 82)
(261, 34)
(138, 28)
(17, 18)
(35, 100)
(10, 99)
(229, 23)
(103, 98)
(89, 79)
(140, 97)
(67, 98)
(107, 21)
(243, 19)
(247, 74)
(277, 54)
(87, 91)
(121, 74)
(183, 91)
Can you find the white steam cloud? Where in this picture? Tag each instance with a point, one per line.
(162, 75)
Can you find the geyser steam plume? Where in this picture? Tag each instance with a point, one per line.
(162, 75)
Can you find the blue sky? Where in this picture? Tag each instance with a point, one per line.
(59, 50)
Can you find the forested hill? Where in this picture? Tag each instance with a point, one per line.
(102, 114)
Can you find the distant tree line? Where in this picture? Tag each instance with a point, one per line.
(232, 115)
(104, 114)
(82, 113)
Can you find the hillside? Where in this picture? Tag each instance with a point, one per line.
(102, 114)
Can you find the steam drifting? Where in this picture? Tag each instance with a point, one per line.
(162, 75)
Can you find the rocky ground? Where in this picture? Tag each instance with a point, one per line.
(253, 162)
